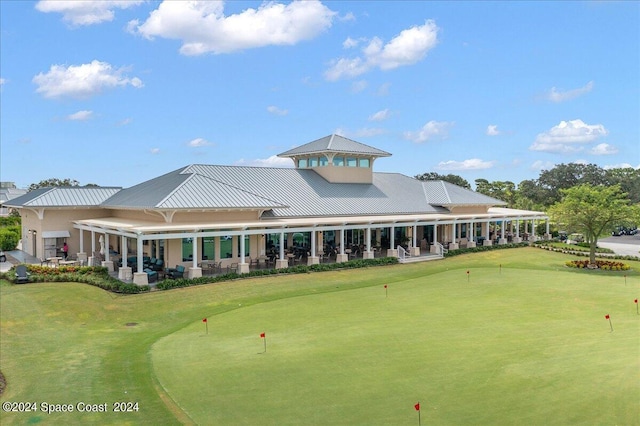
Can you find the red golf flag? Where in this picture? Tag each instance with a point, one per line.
(204, 320)
(635, 301)
(606, 316)
(385, 286)
(417, 406)
(262, 336)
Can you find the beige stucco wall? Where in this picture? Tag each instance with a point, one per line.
(55, 220)
(343, 174)
(469, 209)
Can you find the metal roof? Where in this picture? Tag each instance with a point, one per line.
(74, 196)
(288, 193)
(335, 144)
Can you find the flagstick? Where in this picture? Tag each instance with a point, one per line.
(625, 280)
(419, 420)
(636, 302)
(501, 268)
(610, 324)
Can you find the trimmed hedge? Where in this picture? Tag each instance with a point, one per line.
(456, 252)
(542, 245)
(299, 269)
(93, 275)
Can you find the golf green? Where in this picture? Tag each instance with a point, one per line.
(494, 346)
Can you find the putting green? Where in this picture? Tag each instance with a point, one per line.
(492, 347)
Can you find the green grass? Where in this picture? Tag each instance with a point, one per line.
(523, 344)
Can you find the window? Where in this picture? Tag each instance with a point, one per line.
(208, 248)
(302, 163)
(364, 162)
(352, 162)
(313, 162)
(338, 161)
(187, 249)
(323, 161)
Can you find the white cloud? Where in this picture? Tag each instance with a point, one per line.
(621, 166)
(350, 43)
(471, 164)
(359, 86)
(82, 81)
(380, 115)
(203, 28)
(80, 115)
(433, 129)
(492, 130)
(604, 149)
(2, 81)
(78, 13)
(198, 142)
(567, 136)
(154, 151)
(125, 122)
(541, 165)
(383, 90)
(277, 111)
(407, 48)
(555, 95)
(273, 161)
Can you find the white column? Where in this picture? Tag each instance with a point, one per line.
(313, 259)
(368, 254)
(342, 256)
(487, 238)
(282, 261)
(503, 225)
(243, 266)
(392, 251)
(453, 245)
(140, 277)
(124, 273)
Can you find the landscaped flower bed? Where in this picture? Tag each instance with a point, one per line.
(606, 265)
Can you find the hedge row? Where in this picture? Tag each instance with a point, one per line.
(93, 275)
(300, 269)
(484, 248)
(583, 253)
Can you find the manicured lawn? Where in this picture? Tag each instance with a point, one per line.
(523, 344)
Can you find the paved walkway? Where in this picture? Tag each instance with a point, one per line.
(15, 257)
(626, 245)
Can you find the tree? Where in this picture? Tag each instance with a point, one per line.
(502, 190)
(451, 178)
(564, 176)
(47, 183)
(593, 211)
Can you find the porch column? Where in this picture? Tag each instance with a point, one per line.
(93, 249)
(547, 235)
(415, 249)
(502, 239)
(124, 273)
(140, 277)
(342, 256)
(434, 245)
(453, 245)
(194, 270)
(393, 251)
(106, 262)
(243, 266)
(487, 238)
(313, 259)
(281, 262)
(368, 254)
(516, 238)
(471, 235)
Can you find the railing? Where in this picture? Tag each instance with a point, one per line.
(402, 254)
(441, 250)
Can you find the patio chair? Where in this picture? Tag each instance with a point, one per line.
(22, 275)
(152, 276)
(175, 273)
(158, 265)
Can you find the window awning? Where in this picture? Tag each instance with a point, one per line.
(55, 234)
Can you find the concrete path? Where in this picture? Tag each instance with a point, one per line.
(625, 245)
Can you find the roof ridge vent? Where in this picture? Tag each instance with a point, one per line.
(331, 141)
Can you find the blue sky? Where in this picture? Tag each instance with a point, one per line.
(118, 92)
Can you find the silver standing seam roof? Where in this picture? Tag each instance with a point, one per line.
(335, 144)
(72, 196)
(286, 192)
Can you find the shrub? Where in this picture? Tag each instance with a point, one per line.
(9, 237)
(605, 265)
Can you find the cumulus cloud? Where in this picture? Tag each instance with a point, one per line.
(407, 48)
(604, 149)
(277, 111)
(80, 115)
(82, 81)
(154, 151)
(83, 13)
(492, 130)
(380, 115)
(471, 164)
(203, 27)
(198, 142)
(555, 95)
(541, 165)
(568, 136)
(431, 130)
(273, 161)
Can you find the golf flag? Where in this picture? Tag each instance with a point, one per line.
(386, 291)
(264, 336)
(607, 317)
(636, 302)
(468, 272)
(206, 325)
(204, 320)
(417, 406)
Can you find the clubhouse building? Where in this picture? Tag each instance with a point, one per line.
(330, 206)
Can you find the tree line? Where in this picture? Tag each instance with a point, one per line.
(541, 193)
